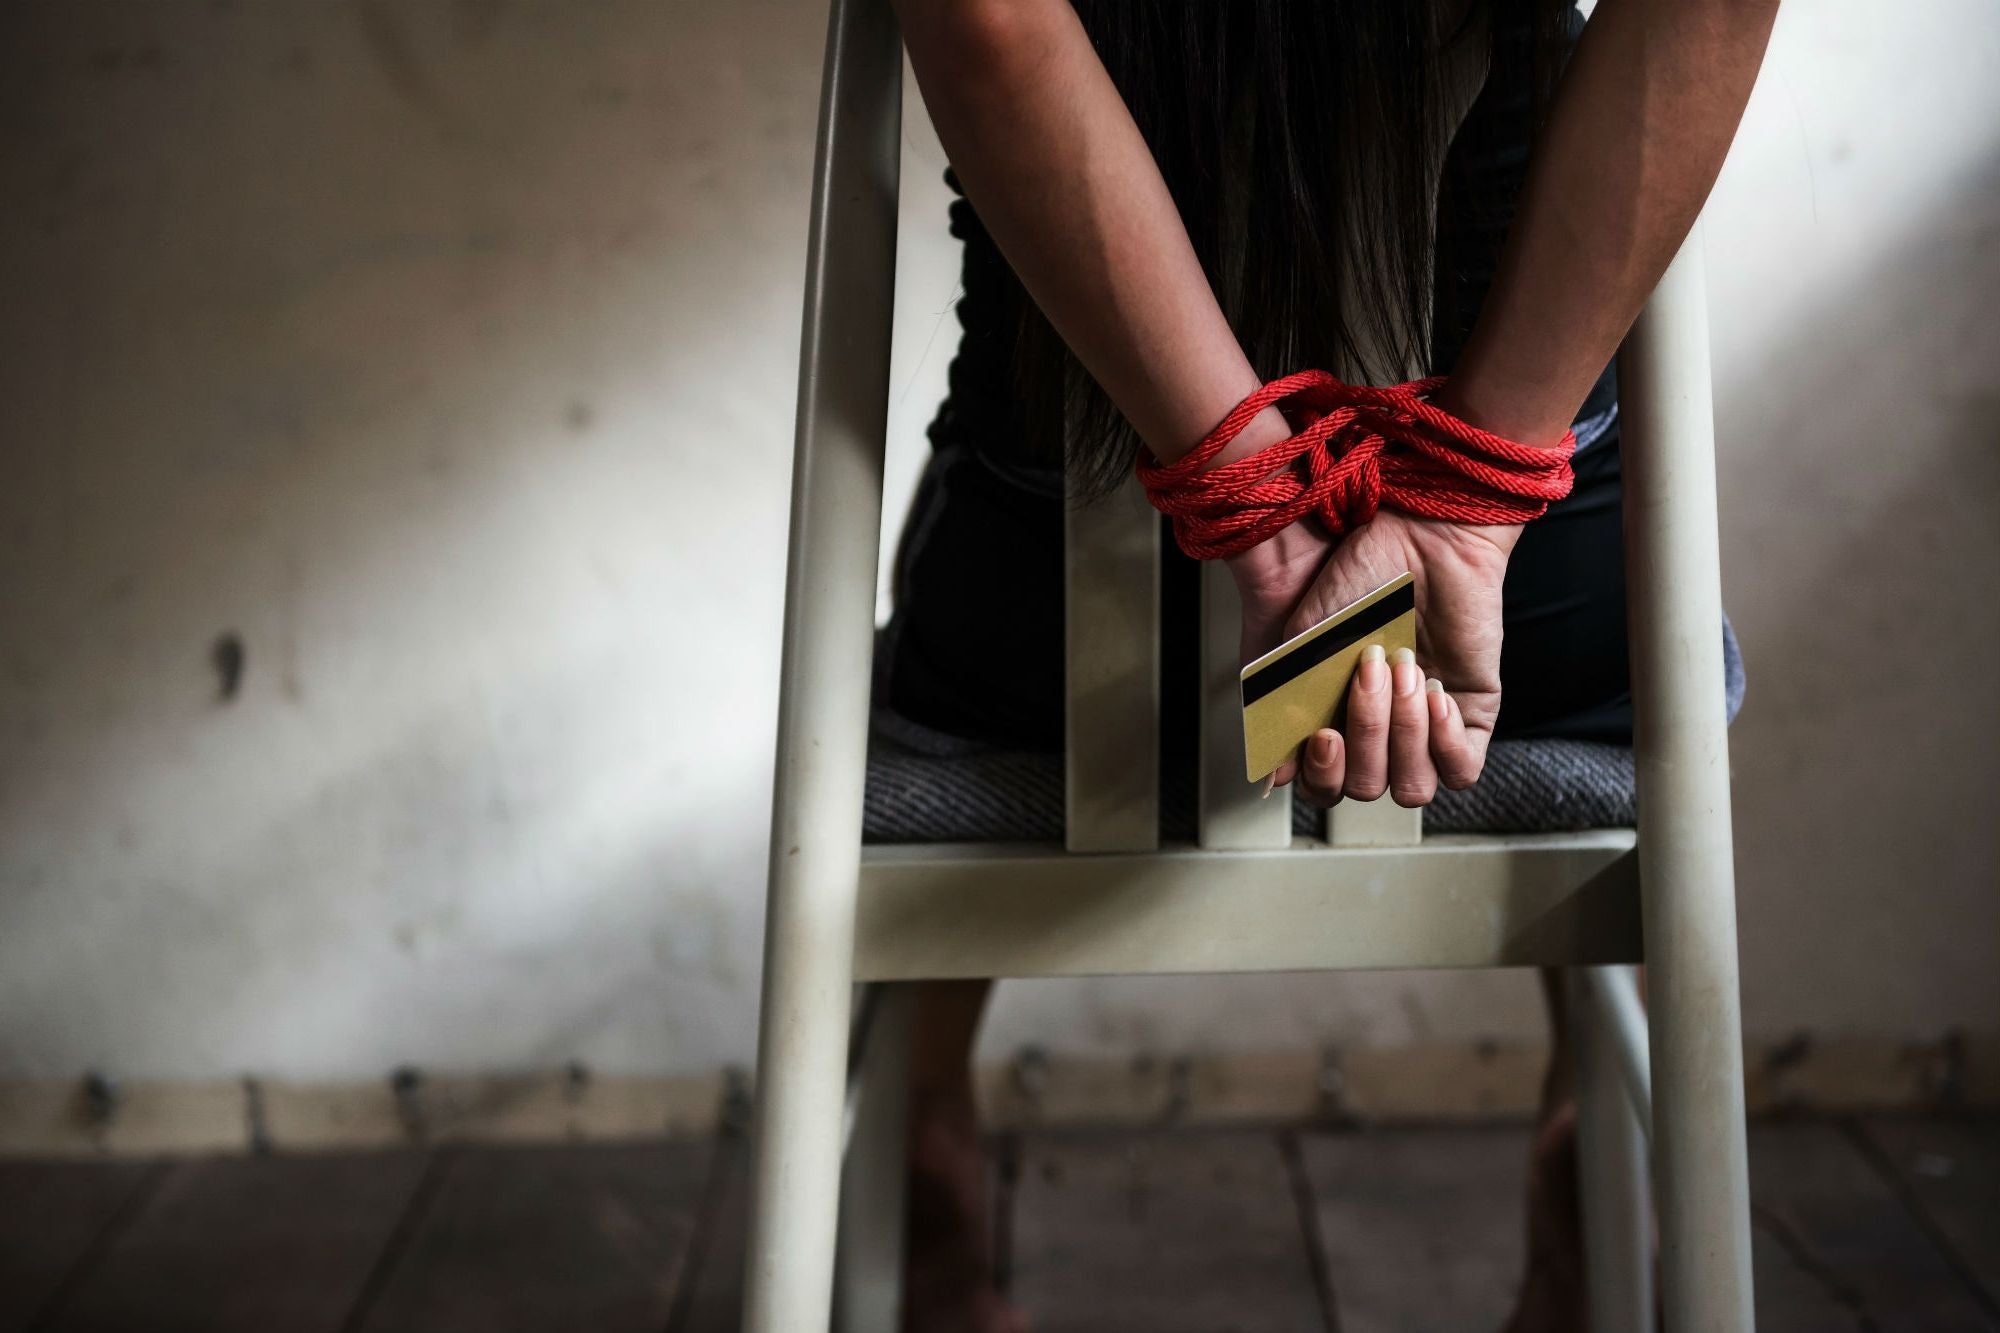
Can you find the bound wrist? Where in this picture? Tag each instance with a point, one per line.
(1274, 562)
(1267, 561)
(1523, 417)
(1265, 429)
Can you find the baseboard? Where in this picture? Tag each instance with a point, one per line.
(1463, 1081)
(407, 1109)
(1444, 1082)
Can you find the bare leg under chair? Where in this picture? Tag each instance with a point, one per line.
(949, 1286)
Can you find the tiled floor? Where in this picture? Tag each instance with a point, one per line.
(1879, 1224)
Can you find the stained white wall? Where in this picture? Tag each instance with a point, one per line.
(444, 354)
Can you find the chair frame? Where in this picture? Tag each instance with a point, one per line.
(823, 1253)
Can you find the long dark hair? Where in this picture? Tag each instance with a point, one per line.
(1305, 144)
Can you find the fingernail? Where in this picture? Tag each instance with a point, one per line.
(1372, 675)
(1440, 704)
(1322, 748)
(1408, 678)
(1270, 784)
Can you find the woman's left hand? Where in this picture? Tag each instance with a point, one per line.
(1410, 724)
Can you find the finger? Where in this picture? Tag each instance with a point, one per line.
(1324, 768)
(1412, 777)
(1458, 760)
(1367, 731)
(1281, 775)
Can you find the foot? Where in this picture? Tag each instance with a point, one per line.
(980, 1311)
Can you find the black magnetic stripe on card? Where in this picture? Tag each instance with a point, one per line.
(1345, 635)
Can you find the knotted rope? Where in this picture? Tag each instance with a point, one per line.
(1357, 449)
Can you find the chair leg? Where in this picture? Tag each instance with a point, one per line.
(795, 1179)
(1686, 867)
(1611, 1160)
(874, 1188)
(843, 406)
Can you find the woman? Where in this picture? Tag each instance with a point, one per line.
(1168, 205)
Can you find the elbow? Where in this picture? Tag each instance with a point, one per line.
(1720, 14)
(1743, 24)
(973, 42)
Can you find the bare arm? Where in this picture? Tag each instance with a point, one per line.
(1065, 184)
(1637, 133)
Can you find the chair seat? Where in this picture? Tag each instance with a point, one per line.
(927, 787)
(1013, 796)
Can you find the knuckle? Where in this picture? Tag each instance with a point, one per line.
(1365, 788)
(1461, 773)
(1412, 795)
(1365, 728)
(1450, 763)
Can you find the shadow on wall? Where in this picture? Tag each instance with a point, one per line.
(442, 356)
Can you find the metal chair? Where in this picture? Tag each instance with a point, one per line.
(1248, 896)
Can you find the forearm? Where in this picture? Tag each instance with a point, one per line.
(1634, 140)
(1062, 179)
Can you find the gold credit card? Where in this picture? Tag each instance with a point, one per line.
(1301, 685)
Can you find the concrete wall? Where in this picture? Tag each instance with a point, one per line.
(441, 357)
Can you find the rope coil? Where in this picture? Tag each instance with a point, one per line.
(1358, 448)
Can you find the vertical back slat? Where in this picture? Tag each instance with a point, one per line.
(1377, 823)
(1111, 575)
(1235, 816)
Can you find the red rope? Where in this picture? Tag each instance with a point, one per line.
(1357, 449)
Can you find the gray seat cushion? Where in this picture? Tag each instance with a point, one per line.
(924, 786)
